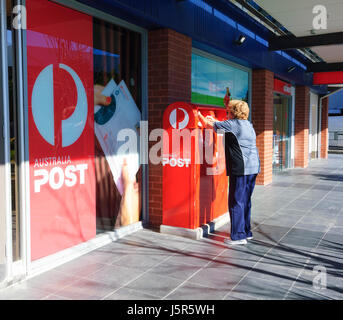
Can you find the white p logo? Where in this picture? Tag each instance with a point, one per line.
(43, 108)
(174, 120)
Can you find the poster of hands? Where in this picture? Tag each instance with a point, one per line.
(109, 121)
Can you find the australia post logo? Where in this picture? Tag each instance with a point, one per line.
(58, 171)
(43, 108)
(179, 118)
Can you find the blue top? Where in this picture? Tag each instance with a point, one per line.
(240, 147)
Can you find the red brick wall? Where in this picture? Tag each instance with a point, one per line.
(324, 129)
(169, 68)
(262, 119)
(301, 126)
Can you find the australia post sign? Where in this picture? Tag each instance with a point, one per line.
(61, 131)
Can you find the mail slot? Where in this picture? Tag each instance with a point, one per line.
(195, 185)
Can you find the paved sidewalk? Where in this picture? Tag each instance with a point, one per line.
(298, 227)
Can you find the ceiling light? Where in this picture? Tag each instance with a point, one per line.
(240, 40)
(290, 69)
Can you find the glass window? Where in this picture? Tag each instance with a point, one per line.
(210, 78)
(117, 56)
(84, 89)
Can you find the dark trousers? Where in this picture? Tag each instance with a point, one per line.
(240, 191)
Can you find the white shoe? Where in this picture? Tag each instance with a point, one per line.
(233, 242)
(250, 238)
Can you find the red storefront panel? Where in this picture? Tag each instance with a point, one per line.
(335, 77)
(282, 87)
(61, 127)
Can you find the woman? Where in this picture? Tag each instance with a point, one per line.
(242, 166)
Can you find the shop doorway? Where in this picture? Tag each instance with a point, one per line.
(282, 132)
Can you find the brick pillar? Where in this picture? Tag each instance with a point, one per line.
(324, 145)
(262, 119)
(301, 126)
(169, 67)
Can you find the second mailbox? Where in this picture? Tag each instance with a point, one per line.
(195, 185)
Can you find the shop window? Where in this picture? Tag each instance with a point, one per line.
(84, 87)
(117, 56)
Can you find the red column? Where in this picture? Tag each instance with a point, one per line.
(262, 119)
(324, 129)
(301, 126)
(169, 67)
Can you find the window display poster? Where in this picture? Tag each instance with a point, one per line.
(61, 127)
(210, 78)
(121, 114)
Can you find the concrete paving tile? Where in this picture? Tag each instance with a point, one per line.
(293, 241)
(328, 206)
(335, 196)
(281, 274)
(216, 278)
(205, 247)
(311, 226)
(301, 204)
(130, 294)
(318, 219)
(235, 262)
(155, 285)
(51, 281)
(260, 289)
(308, 294)
(306, 234)
(22, 291)
(234, 295)
(295, 213)
(327, 187)
(115, 275)
(315, 195)
(79, 267)
(120, 247)
(336, 230)
(285, 261)
(175, 270)
(85, 289)
(140, 261)
(191, 291)
(284, 221)
(103, 257)
(193, 259)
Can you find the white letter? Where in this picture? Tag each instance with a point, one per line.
(172, 162)
(129, 147)
(44, 180)
(19, 22)
(319, 281)
(161, 147)
(69, 174)
(82, 168)
(60, 173)
(165, 161)
(319, 21)
(144, 146)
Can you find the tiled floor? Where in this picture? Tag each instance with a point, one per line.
(297, 226)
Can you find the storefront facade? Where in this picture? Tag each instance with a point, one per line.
(63, 194)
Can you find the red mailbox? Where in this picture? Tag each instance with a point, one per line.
(195, 185)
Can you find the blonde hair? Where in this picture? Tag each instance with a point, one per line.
(239, 109)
